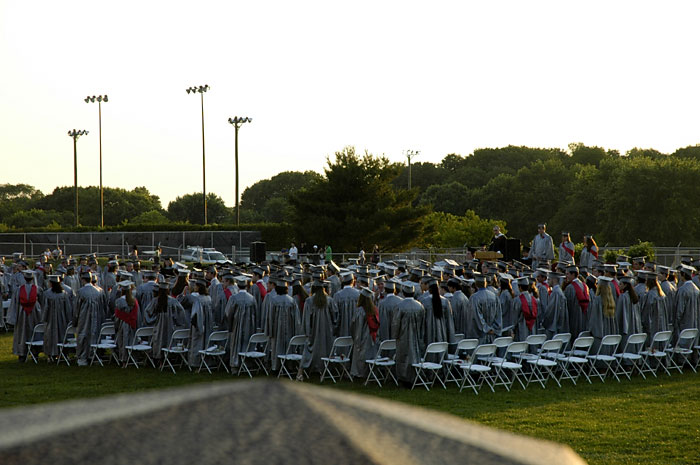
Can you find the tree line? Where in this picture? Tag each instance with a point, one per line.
(361, 199)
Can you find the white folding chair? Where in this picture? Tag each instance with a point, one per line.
(631, 354)
(3, 314)
(105, 341)
(382, 363)
(339, 357)
(683, 349)
(461, 356)
(501, 344)
(37, 340)
(565, 339)
(656, 351)
(608, 344)
(216, 348)
(436, 351)
(576, 363)
(295, 351)
(178, 346)
(140, 344)
(543, 367)
(534, 342)
(256, 351)
(501, 377)
(485, 351)
(69, 342)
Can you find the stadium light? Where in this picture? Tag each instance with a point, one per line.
(100, 99)
(201, 90)
(75, 134)
(237, 122)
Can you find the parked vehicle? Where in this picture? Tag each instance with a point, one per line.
(205, 256)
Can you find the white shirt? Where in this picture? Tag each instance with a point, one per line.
(293, 253)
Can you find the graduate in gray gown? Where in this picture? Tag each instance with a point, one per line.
(627, 313)
(167, 315)
(669, 289)
(439, 322)
(201, 321)
(320, 326)
(687, 308)
(126, 310)
(505, 300)
(145, 293)
(653, 306)
(525, 309)
(364, 328)
(258, 291)
(407, 328)
(24, 313)
(283, 322)
(459, 303)
(484, 317)
(556, 318)
(333, 278)
(216, 289)
(387, 309)
(266, 307)
(601, 312)
(577, 301)
(240, 313)
(89, 314)
(346, 303)
(57, 313)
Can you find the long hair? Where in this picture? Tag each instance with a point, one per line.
(129, 297)
(653, 283)
(180, 284)
(533, 290)
(367, 304)
(320, 298)
(589, 243)
(299, 290)
(162, 303)
(605, 293)
(507, 287)
(437, 302)
(627, 287)
(201, 288)
(56, 287)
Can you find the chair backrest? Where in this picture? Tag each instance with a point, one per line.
(179, 335)
(254, 342)
(582, 342)
(634, 339)
(661, 336)
(503, 341)
(485, 350)
(69, 334)
(611, 340)
(300, 340)
(146, 331)
(459, 336)
(107, 330)
(467, 344)
(563, 337)
(39, 328)
(218, 336)
(516, 348)
(553, 345)
(345, 341)
(386, 345)
(436, 347)
(536, 339)
(584, 334)
(686, 335)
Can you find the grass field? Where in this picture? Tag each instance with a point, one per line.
(656, 421)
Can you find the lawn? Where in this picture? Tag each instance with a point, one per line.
(653, 421)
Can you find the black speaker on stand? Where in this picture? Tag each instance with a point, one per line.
(512, 250)
(257, 252)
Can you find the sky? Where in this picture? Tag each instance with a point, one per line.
(384, 76)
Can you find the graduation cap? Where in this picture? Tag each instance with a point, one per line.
(125, 284)
(610, 268)
(572, 269)
(622, 258)
(409, 287)
(242, 280)
(639, 259)
(687, 269)
(554, 275)
(54, 278)
(124, 274)
(163, 285)
(662, 270)
(390, 284)
(367, 292)
(687, 259)
(523, 281)
(606, 279)
(627, 280)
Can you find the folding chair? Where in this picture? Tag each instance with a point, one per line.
(435, 350)
(684, 349)
(37, 340)
(340, 357)
(295, 351)
(464, 346)
(179, 346)
(634, 358)
(565, 339)
(576, 363)
(486, 351)
(216, 348)
(501, 344)
(543, 367)
(661, 338)
(142, 344)
(504, 364)
(105, 341)
(69, 343)
(382, 362)
(3, 314)
(534, 342)
(609, 342)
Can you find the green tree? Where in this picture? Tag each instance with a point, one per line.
(584, 155)
(35, 218)
(150, 217)
(649, 153)
(449, 231)
(449, 198)
(355, 203)
(16, 197)
(423, 175)
(189, 208)
(281, 185)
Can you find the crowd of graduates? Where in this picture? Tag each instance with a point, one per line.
(414, 303)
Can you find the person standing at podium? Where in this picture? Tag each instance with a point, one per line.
(498, 243)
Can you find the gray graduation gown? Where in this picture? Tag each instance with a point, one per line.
(557, 311)
(598, 324)
(240, 313)
(346, 303)
(124, 332)
(144, 294)
(407, 328)
(459, 303)
(283, 322)
(201, 326)
(670, 290)
(484, 316)
(165, 323)
(438, 329)
(265, 310)
(507, 319)
(687, 314)
(387, 308)
(363, 347)
(23, 323)
(335, 284)
(628, 316)
(216, 292)
(320, 325)
(90, 313)
(56, 312)
(521, 330)
(653, 311)
(578, 321)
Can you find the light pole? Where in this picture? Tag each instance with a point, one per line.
(100, 99)
(201, 90)
(409, 155)
(237, 121)
(75, 134)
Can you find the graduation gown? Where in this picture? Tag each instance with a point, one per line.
(628, 316)
(687, 311)
(124, 332)
(320, 326)
(216, 292)
(387, 307)
(522, 330)
(266, 309)
(653, 311)
(90, 313)
(283, 322)
(507, 320)
(407, 328)
(23, 323)
(566, 252)
(670, 290)
(335, 284)
(240, 313)
(201, 326)
(144, 294)
(578, 320)
(437, 329)
(599, 324)
(586, 259)
(459, 303)
(56, 312)
(165, 323)
(556, 318)
(484, 315)
(363, 347)
(346, 303)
